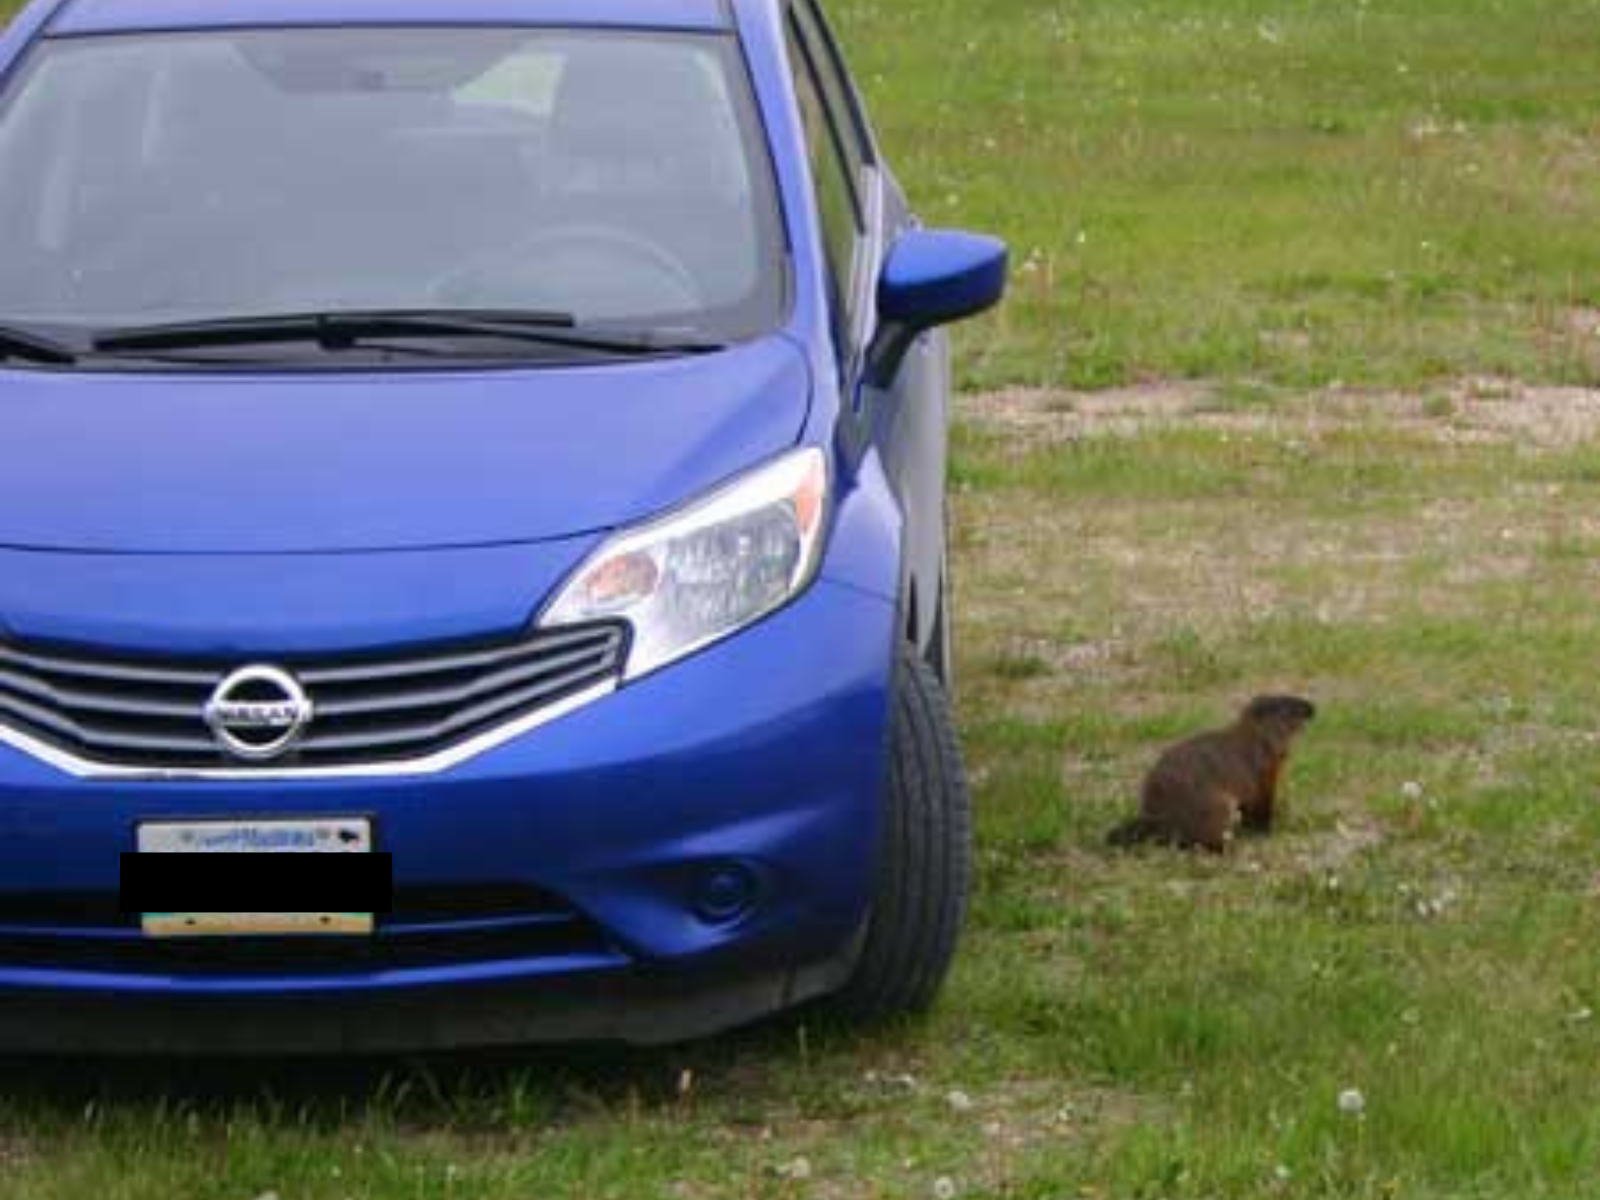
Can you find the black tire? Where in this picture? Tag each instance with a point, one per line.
(925, 860)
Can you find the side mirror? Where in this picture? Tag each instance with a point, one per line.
(932, 278)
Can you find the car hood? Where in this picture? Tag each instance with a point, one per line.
(322, 463)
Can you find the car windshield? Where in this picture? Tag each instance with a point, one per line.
(617, 178)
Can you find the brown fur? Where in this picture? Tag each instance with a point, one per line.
(1203, 791)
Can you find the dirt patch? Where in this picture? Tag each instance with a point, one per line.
(1042, 656)
(987, 1133)
(1057, 416)
(1585, 322)
(1549, 417)
(1330, 852)
(1023, 1115)
(1473, 411)
(14, 1153)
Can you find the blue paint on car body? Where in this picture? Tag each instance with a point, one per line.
(369, 512)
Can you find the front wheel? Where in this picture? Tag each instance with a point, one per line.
(925, 859)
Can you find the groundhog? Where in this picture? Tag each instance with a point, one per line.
(1203, 791)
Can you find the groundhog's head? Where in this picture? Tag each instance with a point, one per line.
(1281, 716)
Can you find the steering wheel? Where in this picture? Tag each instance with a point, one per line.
(512, 269)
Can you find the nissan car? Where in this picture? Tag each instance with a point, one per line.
(473, 560)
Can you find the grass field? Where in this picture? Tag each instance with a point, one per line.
(1310, 191)
(1224, 208)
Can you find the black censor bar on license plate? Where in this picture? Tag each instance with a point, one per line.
(226, 883)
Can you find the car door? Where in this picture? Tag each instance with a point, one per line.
(862, 210)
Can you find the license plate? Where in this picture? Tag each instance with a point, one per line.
(330, 836)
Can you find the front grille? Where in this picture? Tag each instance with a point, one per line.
(125, 712)
(414, 905)
(430, 927)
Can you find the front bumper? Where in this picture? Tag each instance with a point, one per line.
(641, 1006)
(764, 753)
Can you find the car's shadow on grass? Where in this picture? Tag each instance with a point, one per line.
(483, 1089)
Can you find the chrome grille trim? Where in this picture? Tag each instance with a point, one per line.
(314, 677)
(126, 672)
(70, 698)
(395, 716)
(442, 696)
(432, 764)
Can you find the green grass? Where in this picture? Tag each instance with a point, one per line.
(1390, 191)
(1426, 929)
(1254, 185)
(1430, 601)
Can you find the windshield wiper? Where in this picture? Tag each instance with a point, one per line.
(350, 330)
(33, 347)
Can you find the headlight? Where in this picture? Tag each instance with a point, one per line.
(709, 570)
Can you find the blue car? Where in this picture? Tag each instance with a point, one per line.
(480, 466)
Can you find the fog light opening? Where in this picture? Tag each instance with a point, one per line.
(726, 893)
